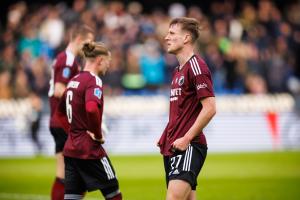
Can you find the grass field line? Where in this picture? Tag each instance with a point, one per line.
(19, 196)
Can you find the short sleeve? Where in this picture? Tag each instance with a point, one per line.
(202, 83)
(200, 78)
(93, 93)
(63, 74)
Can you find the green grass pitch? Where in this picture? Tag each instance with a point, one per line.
(235, 176)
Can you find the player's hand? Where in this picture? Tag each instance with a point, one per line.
(92, 135)
(157, 143)
(181, 144)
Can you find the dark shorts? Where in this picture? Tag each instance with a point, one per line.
(60, 138)
(186, 165)
(88, 175)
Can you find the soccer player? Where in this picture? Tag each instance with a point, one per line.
(192, 106)
(64, 68)
(87, 166)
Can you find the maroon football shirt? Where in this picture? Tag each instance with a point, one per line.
(81, 89)
(64, 68)
(188, 86)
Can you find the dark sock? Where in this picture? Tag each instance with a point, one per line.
(58, 189)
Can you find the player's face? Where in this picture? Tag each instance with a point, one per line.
(89, 38)
(81, 40)
(175, 39)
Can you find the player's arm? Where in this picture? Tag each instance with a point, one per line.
(59, 89)
(60, 114)
(204, 117)
(62, 75)
(93, 96)
(204, 91)
(94, 120)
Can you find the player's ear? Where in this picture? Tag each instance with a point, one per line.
(99, 59)
(187, 38)
(78, 39)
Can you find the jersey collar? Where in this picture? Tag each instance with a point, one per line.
(180, 69)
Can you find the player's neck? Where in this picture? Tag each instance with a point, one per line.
(184, 56)
(71, 48)
(89, 67)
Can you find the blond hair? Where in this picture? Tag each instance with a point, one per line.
(81, 30)
(94, 49)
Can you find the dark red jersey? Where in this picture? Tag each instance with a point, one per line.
(64, 68)
(189, 85)
(82, 89)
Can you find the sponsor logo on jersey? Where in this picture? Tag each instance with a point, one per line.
(97, 93)
(173, 99)
(73, 84)
(66, 72)
(175, 92)
(201, 86)
(181, 81)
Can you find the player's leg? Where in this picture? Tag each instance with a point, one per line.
(60, 137)
(34, 129)
(58, 187)
(192, 195)
(99, 174)
(36, 120)
(112, 193)
(178, 190)
(60, 165)
(201, 151)
(74, 185)
(182, 169)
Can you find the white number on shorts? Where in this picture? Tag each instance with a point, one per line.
(69, 106)
(175, 161)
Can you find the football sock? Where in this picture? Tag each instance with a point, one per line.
(117, 197)
(58, 189)
(73, 197)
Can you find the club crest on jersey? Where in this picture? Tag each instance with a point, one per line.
(181, 81)
(66, 72)
(97, 93)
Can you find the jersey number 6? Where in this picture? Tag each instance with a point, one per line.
(69, 106)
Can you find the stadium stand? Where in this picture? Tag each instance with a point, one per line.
(251, 48)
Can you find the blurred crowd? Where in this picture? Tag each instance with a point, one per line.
(250, 48)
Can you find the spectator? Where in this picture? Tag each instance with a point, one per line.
(152, 64)
(238, 40)
(5, 89)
